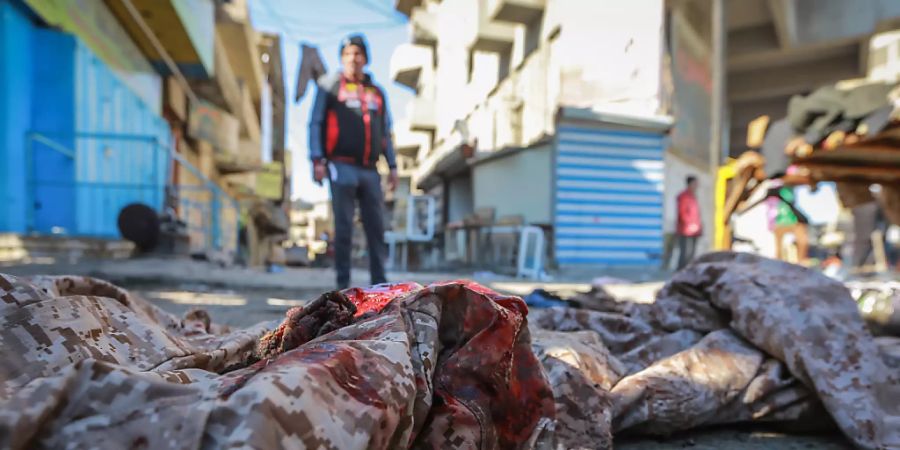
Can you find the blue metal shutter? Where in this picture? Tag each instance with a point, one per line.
(609, 197)
(120, 146)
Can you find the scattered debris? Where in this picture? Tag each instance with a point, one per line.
(540, 298)
(879, 304)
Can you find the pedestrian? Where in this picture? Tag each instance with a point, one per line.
(788, 220)
(349, 130)
(689, 227)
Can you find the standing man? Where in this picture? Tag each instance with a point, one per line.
(689, 226)
(349, 130)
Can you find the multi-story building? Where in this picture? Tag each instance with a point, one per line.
(528, 108)
(310, 222)
(584, 117)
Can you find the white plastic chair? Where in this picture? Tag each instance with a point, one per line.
(413, 232)
(528, 235)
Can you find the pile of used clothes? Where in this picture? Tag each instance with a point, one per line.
(842, 111)
(829, 117)
(840, 132)
(732, 338)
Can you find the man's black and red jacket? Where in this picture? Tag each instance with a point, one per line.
(350, 122)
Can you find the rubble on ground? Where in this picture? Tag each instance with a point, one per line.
(731, 339)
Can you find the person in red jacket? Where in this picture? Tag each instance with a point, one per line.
(689, 226)
(349, 131)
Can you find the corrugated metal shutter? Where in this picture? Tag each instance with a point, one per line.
(93, 145)
(121, 158)
(609, 197)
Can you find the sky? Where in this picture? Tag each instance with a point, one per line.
(323, 24)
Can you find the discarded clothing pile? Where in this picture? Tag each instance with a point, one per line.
(864, 109)
(732, 338)
(827, 118)
(540, 298)
(84, 364)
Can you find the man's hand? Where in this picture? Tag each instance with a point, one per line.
(319, 171)
(393, 179)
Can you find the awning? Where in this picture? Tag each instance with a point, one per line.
(185, 29)
(452, 164)
(647, 123)
(484, 157)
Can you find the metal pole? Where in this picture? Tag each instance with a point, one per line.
(719, 98)
(720, 93)
(170, 63)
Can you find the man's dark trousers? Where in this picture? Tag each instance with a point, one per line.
(349, 184)
(687, 247)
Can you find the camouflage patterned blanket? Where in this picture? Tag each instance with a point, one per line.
(733, 338)
(86, 365)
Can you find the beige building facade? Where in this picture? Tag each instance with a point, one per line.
(512, 95)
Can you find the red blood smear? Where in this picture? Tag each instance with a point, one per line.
(469, 284)
(375, 298)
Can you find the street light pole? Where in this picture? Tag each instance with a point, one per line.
(719, 101)
(719, 86)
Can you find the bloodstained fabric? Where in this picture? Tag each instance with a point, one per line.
(732, 338)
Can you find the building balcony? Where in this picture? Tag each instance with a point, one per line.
(406, 6)
(240, 41)
(241, 185)
(421, 113)
(448, 162)
(406, 167)
(410, 143)
(409, 62)
(223, 89)
(515, 11)
(482, 33)
(423, 25)
(220, 130)
(247, 159)
(184, 29)
(250, 124)
(448, 158)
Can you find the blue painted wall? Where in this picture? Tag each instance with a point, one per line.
(76, 144)
(53, 115)
(121, 153)
(15, 113)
